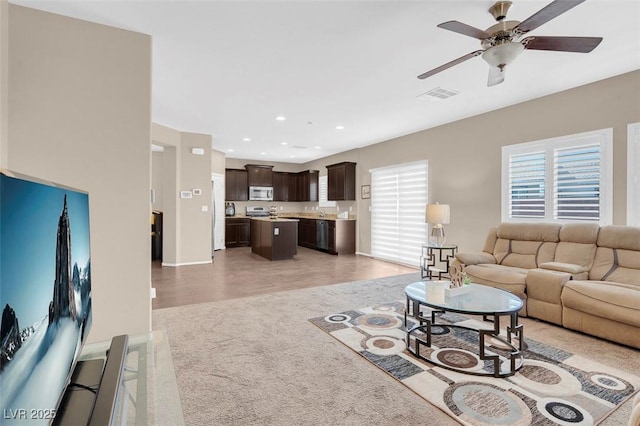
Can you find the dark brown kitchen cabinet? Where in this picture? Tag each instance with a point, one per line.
(303, 186)
(259, 175)
(342, 236)
(237, 232)
(236, 185)
(341, 181)
(307, 186)
(281, 186)
(307, 233)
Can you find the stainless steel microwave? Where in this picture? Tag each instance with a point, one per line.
(261, 193)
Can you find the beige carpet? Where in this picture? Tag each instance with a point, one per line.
(259, 361)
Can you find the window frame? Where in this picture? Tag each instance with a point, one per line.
(602, 136)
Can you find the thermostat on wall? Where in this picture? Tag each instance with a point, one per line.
(197, 191)
(186, 194)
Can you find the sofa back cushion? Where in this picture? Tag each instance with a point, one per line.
(618, 255)
(577, 244)
(525, 245)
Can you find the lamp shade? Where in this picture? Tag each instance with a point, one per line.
(437, 214)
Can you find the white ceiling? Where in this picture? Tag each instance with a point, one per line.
(228, 68)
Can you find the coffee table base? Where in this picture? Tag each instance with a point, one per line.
(514, 358)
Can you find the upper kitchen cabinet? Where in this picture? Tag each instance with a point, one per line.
(260, 175)
(307, 188)
(341, 181)
(236, 185)
(281, 186)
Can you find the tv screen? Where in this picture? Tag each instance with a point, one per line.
(45, 294)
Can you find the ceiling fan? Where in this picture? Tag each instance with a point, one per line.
(503, 42)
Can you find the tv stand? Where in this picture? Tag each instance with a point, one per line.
(148, 391)
(91, 396)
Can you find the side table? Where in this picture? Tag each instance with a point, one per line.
(434, 261)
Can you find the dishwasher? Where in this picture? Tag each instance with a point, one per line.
(322, 234)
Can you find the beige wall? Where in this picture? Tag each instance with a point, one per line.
(4, 80)
(465, 156)
(196, 224)
(80, 115)
(186, 228)
(157, 159)
(217, 162)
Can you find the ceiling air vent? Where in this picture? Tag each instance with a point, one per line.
(438, 94)
(300, 147)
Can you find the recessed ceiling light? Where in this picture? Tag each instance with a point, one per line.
(292, 156)
(230, 150)
(317, 147)
(281, 118)
(283, 143)
(263, 153)
(246, 139)
(339, 127)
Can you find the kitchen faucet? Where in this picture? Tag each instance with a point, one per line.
(322, 214)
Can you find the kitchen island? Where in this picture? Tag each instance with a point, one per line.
(274, 239)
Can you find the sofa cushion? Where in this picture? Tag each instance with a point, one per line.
(616, 265)
(614, 301)
(525, 245)
(620, 237)
(577, 244)
(523, 254)
(529, 231)
(498, 273)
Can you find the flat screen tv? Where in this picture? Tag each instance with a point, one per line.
(45, 294)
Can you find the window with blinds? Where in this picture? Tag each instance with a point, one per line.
(398, 201)
(560, 179)
(633, 174)
(323, 193)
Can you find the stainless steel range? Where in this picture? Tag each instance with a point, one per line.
(257, 211)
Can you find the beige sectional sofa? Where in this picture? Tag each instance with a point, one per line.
(578, 275)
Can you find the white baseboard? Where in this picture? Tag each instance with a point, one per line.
(364, 254)
(173, 265)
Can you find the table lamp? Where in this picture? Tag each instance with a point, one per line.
(437, 215)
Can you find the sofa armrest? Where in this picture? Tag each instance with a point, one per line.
(546, 285)
(475, 258)
(563, 267)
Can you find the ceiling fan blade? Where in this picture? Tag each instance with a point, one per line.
(450, 64)
(562, 44)
(464, 29)
(547, 13)
(496, 76)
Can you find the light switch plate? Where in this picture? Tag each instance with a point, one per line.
(197, 191)
(276, 231)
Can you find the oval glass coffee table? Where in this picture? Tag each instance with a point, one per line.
(503, 356)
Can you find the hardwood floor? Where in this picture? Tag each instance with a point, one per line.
(236, 272)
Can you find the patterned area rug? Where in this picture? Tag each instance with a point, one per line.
(553, 386)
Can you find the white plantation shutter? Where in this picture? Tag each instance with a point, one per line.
(526, 185)
(560, 179)
(576, 177)
(398, 202)
(633, 174)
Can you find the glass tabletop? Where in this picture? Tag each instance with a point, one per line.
(472, 298)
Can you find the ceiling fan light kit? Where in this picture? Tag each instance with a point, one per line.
(502, 42)
(502, 55)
